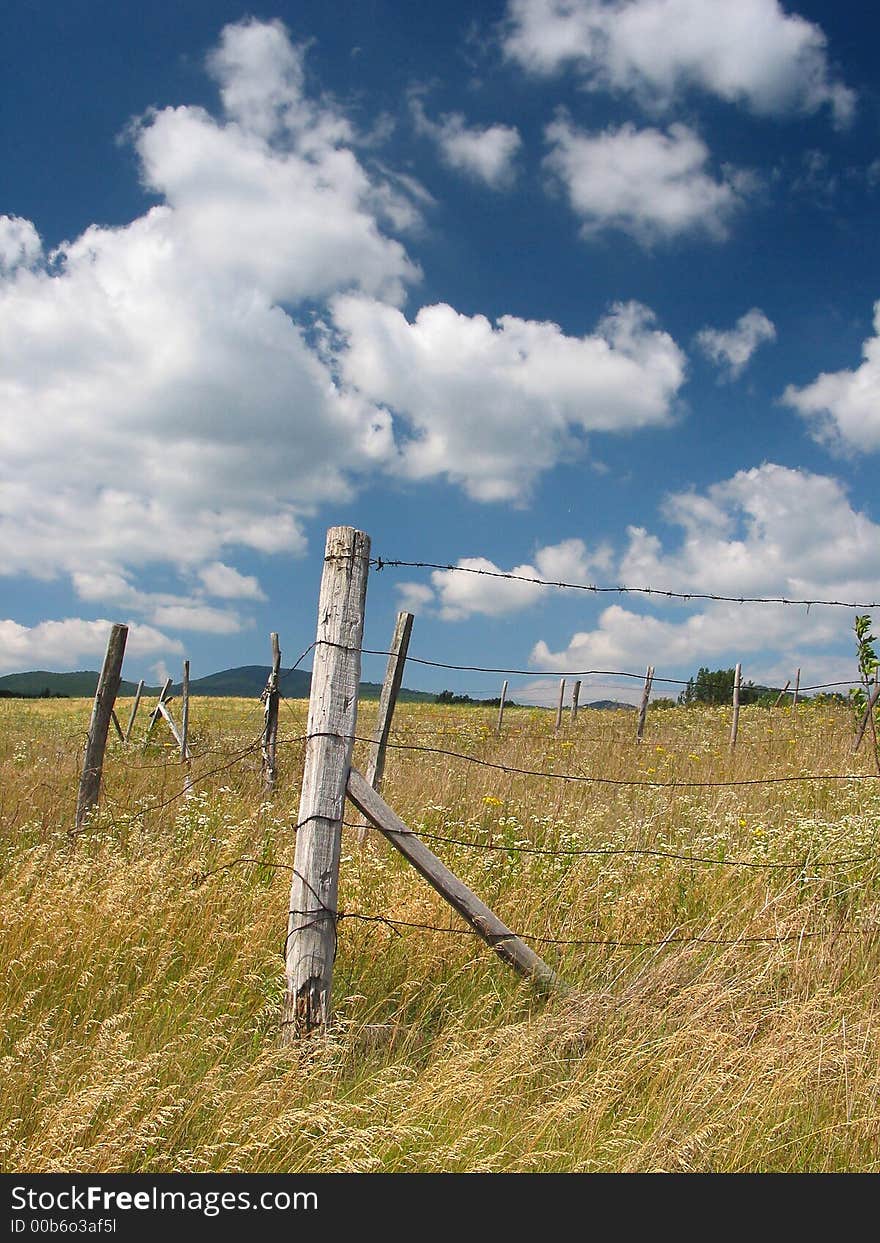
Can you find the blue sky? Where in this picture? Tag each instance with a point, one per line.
(582, 289)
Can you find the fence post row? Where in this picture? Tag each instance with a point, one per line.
(643, 708)
(332, 720)
(734, 725)
(102, 710)
(270, 732)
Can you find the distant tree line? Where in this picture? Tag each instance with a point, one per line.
(45, 693)
(448, 697)
(715, 686)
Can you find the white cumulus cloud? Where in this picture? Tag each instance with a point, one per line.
(19, 243)
(485, 153)
(731, 349)
(493, 406)
(63, 644)
(152, 377)
(767, 531)
(652, 184)
(748, 52)
(843, 407)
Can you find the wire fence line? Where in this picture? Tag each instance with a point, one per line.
(587, 778)
(547, 673)
(322, 911)
(382, 563)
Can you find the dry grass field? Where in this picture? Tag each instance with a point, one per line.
(141, 998)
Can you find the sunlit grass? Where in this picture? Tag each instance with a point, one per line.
(141, 1002)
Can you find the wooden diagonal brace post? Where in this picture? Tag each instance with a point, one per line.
(506, 944)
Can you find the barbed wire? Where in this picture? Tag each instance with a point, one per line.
(591, 941)
(381, 563)
(593, 780)
(651, 852)
(559, 673)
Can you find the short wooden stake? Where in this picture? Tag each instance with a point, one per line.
(797, 687)
(643, 707)
(184, 713)
(96, 742)
(332, 721)
(734, 726)
(270, 731)
(506, 944)
(134, 708)
(781, 693)
(559, 705)
(501, 704)
(575, 697)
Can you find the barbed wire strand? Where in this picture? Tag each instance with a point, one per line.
(585, 778)
(381, 563)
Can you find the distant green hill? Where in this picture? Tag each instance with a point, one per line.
(75, 685)
(246, 681)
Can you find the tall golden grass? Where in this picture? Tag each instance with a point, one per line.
(141, 1000)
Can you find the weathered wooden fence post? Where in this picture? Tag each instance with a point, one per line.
(575, 697)
(643, 707)
(797, 687)
(734, 725)
(559, 705)
(501, 705)
(388, 699)
(332, 721)
(134, 708)
(270, 731)
(105, 698)
(184, 713)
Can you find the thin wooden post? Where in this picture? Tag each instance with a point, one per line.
(781, 693)
(575, 697)
(157, 711)
(797, 687)
(501, 705)
(115, 719)
(105, 698)
(134, 708)
(387, 702)
(559, 705)
(332, 721)
(388, 699)
(270, 732)
(643, 707)
(506, 944)
(734, 726)
(184, 712)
